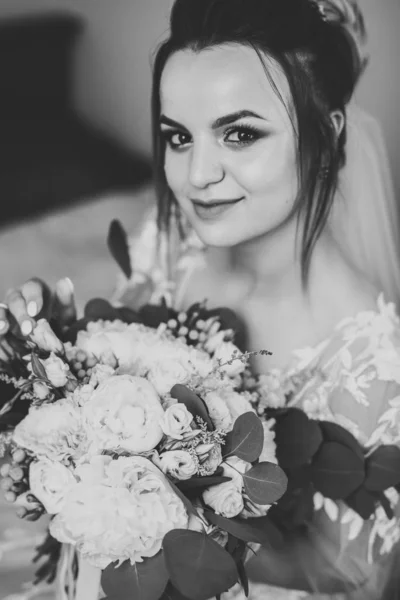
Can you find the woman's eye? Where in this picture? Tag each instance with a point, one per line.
(176, 139)
(241, 136)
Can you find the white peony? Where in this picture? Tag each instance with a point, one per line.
(57, 370)
(137, 508)
(176, 421)
(126, 342)
(124, 413)
(50, 481)
(165, 374)
(237, 404)
(179, 464)
(52, 431)
(173, 362)
(45, 338)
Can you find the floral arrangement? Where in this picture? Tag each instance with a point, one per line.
(325, 463)
(134, 432)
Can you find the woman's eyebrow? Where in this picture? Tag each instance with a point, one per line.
(220, 122)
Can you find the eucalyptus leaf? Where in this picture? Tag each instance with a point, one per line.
(198, 567)
(337, 471)
(246, 439)
(98, 308)
(153, 315)
(171, 593)
(118, 245)
(297, 439)
(142, 581)
(199, 483)
(332, 432)
(190, 509)
(193, 403)
(265, 483)
(257, 530)
(383, 469)
(363, 502)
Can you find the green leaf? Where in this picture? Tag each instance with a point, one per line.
(152, 315)
(190, 509)
(198, 567)
(383, 469)
(127, 315)
(297, 438)
(363, 502)
(171, 593)
(98, 308)
(201, 482)
(258, 530)
(142, 581)
(337, 471)
(37, 367)
(118, 245)
(335, 433)
(246, 439)
(265, 483)
(244, 580)
(193, 403)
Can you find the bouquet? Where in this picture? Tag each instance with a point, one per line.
(134, 432)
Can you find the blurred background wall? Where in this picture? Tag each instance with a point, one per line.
(112, 73)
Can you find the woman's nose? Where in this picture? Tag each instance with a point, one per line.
(205, 166)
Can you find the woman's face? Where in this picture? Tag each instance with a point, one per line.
(230, 146)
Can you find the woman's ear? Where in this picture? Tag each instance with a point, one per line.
(337, 118)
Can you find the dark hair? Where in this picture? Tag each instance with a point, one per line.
(322, 66)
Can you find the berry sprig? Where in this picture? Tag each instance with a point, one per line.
(15, 483)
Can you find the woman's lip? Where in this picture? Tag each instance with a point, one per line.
(211, 203)
(208, 211)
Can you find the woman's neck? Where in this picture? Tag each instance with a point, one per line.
(270, 267)
(268, 263)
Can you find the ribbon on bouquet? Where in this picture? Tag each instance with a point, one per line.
(88, 584)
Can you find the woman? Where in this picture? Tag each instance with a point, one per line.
(250, 115)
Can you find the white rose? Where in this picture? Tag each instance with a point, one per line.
(226, 498)
(179, 464)
(124, 413)
(50, 481)
(40, 390)
(56, 370)
(137, 508)
(218, 410)
(45, 338)
(225, 353)
(52, 431)
(176, 421)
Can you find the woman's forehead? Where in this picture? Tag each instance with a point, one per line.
(221, 80)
